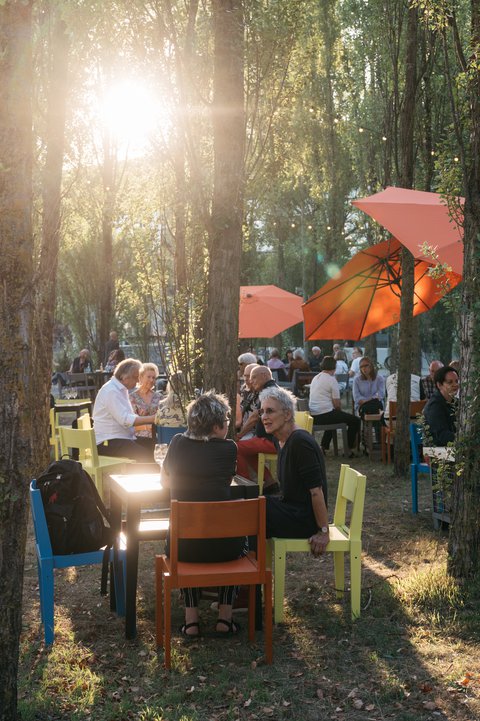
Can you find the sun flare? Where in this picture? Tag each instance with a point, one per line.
(134, 115)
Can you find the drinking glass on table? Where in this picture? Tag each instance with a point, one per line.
(160, 452)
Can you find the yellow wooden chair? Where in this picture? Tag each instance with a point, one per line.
(304, 420)
(95, 465)
(54, 438)
(343, 539)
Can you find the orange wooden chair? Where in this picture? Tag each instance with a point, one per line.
(222, 519)
(388, 431)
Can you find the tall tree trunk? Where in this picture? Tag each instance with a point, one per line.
(464, 540)
(402, 436)
(51, 196)
(225, 237)
(18, 404)
(107, 274)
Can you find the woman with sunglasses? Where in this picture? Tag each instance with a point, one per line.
(368, 388)
(301, 511)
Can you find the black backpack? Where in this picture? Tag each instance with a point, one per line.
(77, 519)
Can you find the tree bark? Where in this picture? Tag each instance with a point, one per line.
(464, 539)
(51, 219)
(17, 402)
(402, 436)
(225, 236)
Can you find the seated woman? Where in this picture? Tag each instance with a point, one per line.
(368, 388)
(145, 399)
(115, 357)
(440, 411)
(301, 512)
(171, 411)
(199, 466)
(324, 405)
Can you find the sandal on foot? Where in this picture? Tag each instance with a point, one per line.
(185, 626)
(232, 628)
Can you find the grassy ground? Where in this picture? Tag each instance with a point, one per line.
(412, 656)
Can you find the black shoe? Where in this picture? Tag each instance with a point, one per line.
(271, 489)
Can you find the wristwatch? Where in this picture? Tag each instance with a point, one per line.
(324, 529)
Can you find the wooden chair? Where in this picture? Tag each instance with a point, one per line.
(84, 383)
(300, 379)
(417, 466)
(304, 420)
(343, 539)
(95, 465)
(224, 519)
(47, 563)
(388, 431)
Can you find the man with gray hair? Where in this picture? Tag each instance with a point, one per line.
(261, 442)
(427, 383)
(114, 418)
(243, 360)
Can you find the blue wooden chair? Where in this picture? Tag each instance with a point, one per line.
(166, 433)
(47, 562)
(417, 466)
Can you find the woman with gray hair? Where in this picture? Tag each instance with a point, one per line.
(301, 512)
(298, 363)
(199, 466)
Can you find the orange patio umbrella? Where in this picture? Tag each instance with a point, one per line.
(416, 218)
(266, 310)
(365, 295)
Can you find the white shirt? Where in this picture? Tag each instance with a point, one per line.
(113, 414)
(391, 388)
(355, 365)
(323, 390)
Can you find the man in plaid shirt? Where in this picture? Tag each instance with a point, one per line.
(427, 384)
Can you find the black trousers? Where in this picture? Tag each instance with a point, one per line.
(125, 448)
(338, 416)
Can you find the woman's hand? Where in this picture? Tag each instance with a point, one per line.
(318, 542)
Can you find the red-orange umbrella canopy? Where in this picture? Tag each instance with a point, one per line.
(365, 295)
(266, 310)
(416, 218)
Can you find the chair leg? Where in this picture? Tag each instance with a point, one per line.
(159, 603)
(47, 600)
(339, 570)
(251, 612)
(345, 442)
(260, 471)
(335, 442)
(384, 444)
(414, 475)
(355, 578)
(268, 618)
(279, 582)
(167, 623)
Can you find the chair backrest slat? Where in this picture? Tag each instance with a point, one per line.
(351, 488)
(83, 440)
(39, 521)
(217, 519)
(304, 420)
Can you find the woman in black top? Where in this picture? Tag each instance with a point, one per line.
(302, 510)
(199, 466)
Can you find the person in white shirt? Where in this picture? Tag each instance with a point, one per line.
(357, 355)
(341, 368)
(391, 390)
(324, 405)
(114, 418)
